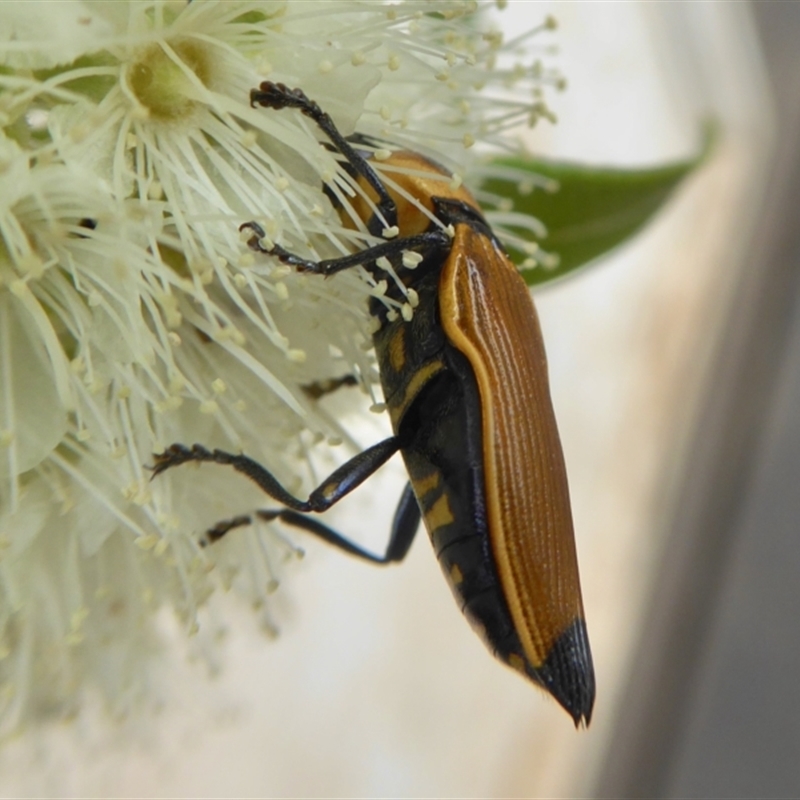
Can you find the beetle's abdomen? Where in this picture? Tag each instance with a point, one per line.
(442, 451)
(434, 407)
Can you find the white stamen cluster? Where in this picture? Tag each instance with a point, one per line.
(132, 314)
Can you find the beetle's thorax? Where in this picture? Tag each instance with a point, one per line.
(414, 183)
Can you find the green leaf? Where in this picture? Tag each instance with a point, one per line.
(586, 210)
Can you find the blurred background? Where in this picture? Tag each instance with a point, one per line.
(675, 367)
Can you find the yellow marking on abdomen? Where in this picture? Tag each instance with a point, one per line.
(427, 484)
(456, 575)
(439, 514)
(397, 349)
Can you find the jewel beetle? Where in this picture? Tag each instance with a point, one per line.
(466, 387)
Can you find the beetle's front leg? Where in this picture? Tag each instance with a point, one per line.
(422, 243)
(279, 96)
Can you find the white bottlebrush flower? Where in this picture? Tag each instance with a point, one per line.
(133, 316)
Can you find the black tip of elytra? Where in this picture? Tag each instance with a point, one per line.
(568, 673)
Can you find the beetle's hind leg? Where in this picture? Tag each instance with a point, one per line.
(404, 527)
(224, 526)
(327, 534)
(318, 389)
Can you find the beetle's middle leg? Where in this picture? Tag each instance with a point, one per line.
(338, 484)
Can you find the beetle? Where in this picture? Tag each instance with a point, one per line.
(466, 387)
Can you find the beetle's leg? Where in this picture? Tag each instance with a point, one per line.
(404, 527)
(430, 240)
(341, 482)
(278, 96)
(221, 528)
(319, 389)
(322, 531)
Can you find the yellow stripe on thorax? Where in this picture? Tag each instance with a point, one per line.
(398, 406)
